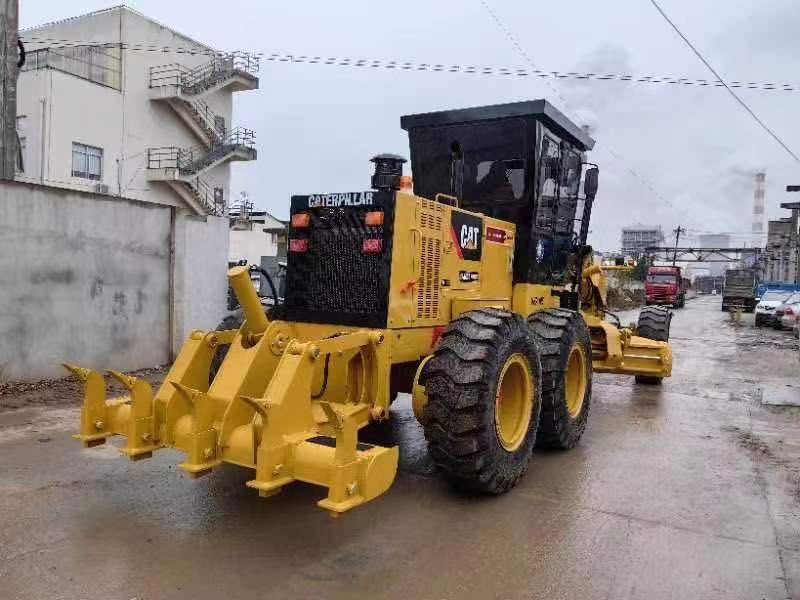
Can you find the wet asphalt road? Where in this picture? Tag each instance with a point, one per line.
(690, 490)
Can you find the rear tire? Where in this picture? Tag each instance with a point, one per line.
(482, 412)
(232, 321)
(654, 324)
(566, 354)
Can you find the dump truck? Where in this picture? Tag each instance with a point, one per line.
(478, 294)
(666, 286)
(739, 290)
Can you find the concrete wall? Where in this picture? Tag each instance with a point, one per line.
(84, 279)
(201, 262)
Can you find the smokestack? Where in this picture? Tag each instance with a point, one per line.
(758, 211)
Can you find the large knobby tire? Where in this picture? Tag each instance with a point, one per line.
(654, 324)
(482, 413)
(566, 354)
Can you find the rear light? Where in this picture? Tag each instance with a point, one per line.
(372, 246)
(301, 220)
(788, 310)
(374, 217)
(298, 245)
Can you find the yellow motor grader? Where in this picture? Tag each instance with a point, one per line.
(477, 293)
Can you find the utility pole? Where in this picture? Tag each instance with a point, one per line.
(677, 233)
(9, 20)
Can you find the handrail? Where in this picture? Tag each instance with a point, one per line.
(205, 75)
(195, 159)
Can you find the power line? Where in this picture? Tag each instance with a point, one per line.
(514, 42)
(722, 81)
(403, 65)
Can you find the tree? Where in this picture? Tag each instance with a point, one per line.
(640, 270)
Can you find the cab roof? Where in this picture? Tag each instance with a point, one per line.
(540, 110)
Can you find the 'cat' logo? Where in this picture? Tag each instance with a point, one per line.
(466, 231)
(469, 237)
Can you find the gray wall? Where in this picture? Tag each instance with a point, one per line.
(84, 278)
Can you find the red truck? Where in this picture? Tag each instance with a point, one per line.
(665, 285)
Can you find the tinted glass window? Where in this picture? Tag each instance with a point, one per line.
(501, 180)
(549, 167)
(773, 296)
(661, 278)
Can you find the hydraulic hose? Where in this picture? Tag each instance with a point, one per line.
(269, 281)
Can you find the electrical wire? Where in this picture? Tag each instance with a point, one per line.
(404, 65)
(735, 96)
(514, 42)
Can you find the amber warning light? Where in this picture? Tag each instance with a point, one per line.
(301, 220)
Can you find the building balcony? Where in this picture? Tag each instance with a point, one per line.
(235, 72)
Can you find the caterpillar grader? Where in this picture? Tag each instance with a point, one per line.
(477, 293)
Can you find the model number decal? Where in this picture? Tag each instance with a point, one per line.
(495, 235)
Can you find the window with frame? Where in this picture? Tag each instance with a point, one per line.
(87, 161)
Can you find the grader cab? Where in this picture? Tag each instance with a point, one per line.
(477, 293)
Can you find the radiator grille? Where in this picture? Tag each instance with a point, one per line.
(430, 260)
(335, 281)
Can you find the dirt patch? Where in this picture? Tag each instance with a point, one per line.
(759, 447)
(64, 392)
(748, 440)
(625, 299)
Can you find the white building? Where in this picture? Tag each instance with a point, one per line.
(114, 103)
(636, 238)
(255, 235)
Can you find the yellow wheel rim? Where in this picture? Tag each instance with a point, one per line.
(514, 402)
(575, 380)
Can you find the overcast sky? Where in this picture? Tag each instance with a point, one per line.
(318, 126)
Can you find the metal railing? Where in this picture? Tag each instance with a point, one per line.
(190, 161)
(207, 119)
(202, 77)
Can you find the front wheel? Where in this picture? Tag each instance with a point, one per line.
(482, 413)
(566, 353)
(654, 324)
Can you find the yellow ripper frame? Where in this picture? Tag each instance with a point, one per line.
(259, 411)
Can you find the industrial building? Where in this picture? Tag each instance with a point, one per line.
(636, 238)
(118, 211)
(781, 252)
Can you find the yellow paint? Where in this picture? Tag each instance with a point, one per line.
(514, 402)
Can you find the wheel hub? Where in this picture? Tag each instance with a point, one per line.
(514, 402)
(575, 380)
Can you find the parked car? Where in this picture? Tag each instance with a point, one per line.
(785, 315)
(765, 309)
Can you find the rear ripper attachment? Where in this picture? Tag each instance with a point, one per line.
(259, 410)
